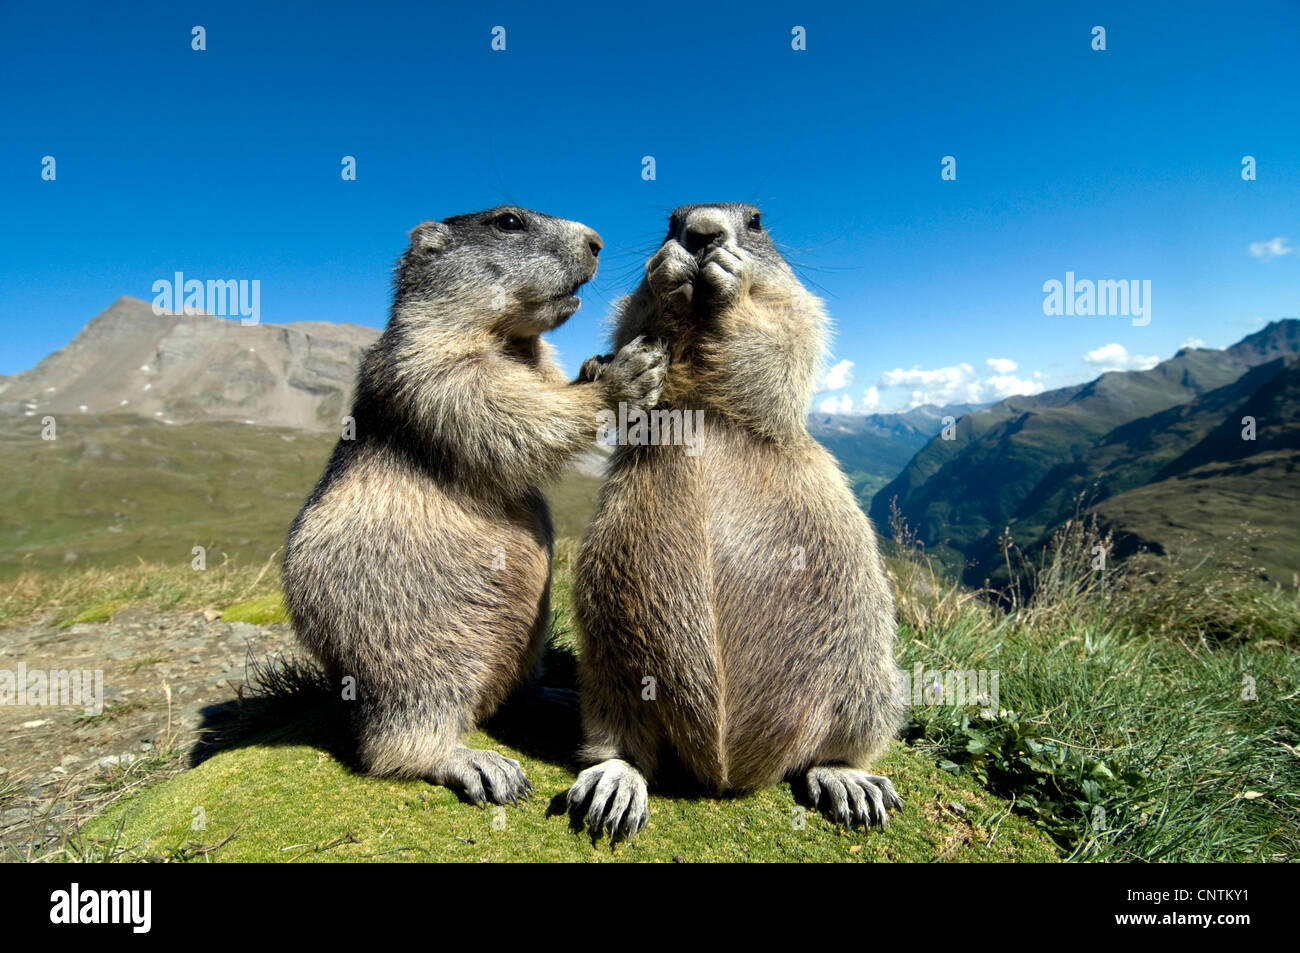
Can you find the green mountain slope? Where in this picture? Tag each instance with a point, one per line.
(1207, 494)
(1023, 464)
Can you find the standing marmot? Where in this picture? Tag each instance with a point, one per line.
(731, 603)
(420, 564)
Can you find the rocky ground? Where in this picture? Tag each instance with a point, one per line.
(160, 671)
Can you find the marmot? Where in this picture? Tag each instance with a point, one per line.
(731, 604)
(418, 571)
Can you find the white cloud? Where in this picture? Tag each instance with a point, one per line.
(1275, 248)
(917, 378)
(1115, 357)
(844, 404)
(837, 405)
(1007, 385)
(838, 377)
(1193, 342)
(957, 384)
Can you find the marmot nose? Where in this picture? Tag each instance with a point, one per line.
(702, 230)
(593, 242)
(698, 239)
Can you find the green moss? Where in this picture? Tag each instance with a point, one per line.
(260, 611)
(291, 801)
(100, 612)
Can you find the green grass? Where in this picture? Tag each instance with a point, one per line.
(93, 594)
(112, 713)
(146, 661)
(1142, 715)
(116, 489)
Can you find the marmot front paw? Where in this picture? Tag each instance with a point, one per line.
(636, 375)
(671, 273)
(725, 272)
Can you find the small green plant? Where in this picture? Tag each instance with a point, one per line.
(1056, 784)
(112, 713)
(145, 661)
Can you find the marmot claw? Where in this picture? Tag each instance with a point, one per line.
(619, 800)
(849, 796)
(594, 366)
(484, 776)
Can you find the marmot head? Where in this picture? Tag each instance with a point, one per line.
(701, 228)
(519, 268)
(709, 253)
(733, 316)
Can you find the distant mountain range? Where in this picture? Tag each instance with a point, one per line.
(873, 448)
(183, 368)
(1157, 455)
(188, 368)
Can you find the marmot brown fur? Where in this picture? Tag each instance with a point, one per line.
(418, 572)
(731, 604)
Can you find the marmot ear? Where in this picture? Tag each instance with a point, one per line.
(430, 237)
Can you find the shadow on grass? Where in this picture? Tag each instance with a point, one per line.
(288, 701)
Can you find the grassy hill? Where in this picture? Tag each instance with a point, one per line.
(1243, 510)
(116, 489)
(1135, 722)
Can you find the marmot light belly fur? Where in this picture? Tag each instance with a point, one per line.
(743, 578)
(419, 566)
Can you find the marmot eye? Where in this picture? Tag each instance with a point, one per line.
(755, 224)
(510, 222)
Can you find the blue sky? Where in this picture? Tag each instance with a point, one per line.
(1115, 164)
